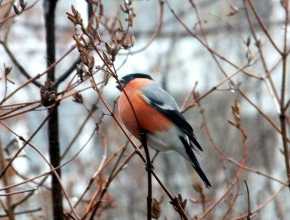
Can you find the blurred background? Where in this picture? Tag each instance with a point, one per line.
(214, 40)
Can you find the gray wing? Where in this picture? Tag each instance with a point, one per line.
(165, 104)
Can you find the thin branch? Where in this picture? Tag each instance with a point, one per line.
(259, 45)
(9, 211)
(283, 94)
(24, 212)
(18, 65)
(47, 162)
(261, 112)
(257, 171)
(185, 108)
(249, 201)
(161, 4)
(12, 16)
(38, 75)
(243, 134)
(68, 72)
(264, 27)
(261, 206)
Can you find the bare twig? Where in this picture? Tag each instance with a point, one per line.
(249, 201)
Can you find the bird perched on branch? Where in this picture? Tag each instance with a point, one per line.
(153, 110)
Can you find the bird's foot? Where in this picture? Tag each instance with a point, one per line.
(149, 167)
(155, 155)
(142, 132)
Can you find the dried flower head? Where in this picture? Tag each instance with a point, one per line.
(156, 209)
(78, 98)
(48, 93)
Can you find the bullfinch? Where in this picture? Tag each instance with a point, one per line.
(159, 115)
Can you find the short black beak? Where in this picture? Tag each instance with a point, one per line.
(118, 87)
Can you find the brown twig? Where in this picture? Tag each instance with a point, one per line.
(249, 201)
(38, 75)
(55, 173)
(232, 203)
(193, 103)
(264, 27)
(283, 94)
(236, 113)
(261, 206)
(12, 16)
(9, 211)
(257, 171)
(155, 34)
(259, 45)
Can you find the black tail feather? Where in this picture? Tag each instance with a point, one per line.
(195, 163)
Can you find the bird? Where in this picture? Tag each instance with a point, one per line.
(159, 115)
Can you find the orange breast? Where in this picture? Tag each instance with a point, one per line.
(149, 119)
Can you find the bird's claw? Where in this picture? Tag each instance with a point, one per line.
(149, 167)
(142, 132)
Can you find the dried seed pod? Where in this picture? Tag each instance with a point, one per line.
(91, 61)
(116, 48)
(132, 40)
(79, 20)
(84, 58)
(119, 36)
(79, 70)
(84, 68)
(198, 187)
(237, 107)
(133, 12)
(183, 202)
(235, 8)
(248, 41)
(69, 14)
(258, 43)
(91, 28)
(84, 41)
(80, 47)
(84, 31)
(196, 95)
(155, 209)
(78, 98)
(97, 20)
(109, 48)
(126, 42)
(123, 9)
(131, 19)
(232, 123)
(75, 37)
(121, 25)
(23, 4)
(7, 70)
(106, 78)
(106, 58)
(48, 93)
(98, 36)
(92, 39)
(237, 116)
(71, 18)
(101, 13)
(16, 10)
(74, 11)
